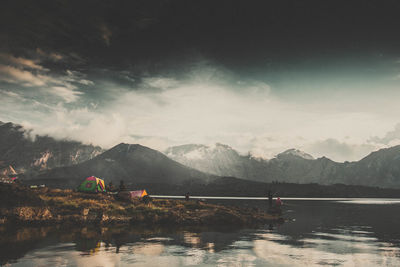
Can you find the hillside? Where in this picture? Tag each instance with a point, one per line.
(31, 154)
(131, 163)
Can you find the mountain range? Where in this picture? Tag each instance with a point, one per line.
(65, 163)
(380, 168)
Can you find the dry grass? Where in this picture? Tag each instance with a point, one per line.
(67, 205)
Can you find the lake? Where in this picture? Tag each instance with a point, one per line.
(336, 232)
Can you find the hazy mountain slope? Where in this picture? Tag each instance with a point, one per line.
(131, 163)
(222, 160)
(219, 160)
(380, 168)
(42, 153)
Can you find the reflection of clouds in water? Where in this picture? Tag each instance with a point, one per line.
(240, 258)
(344, 247)
(191, 239)
(184, 256)
(194, 257)
(148, 254)
(156, 254)
(239, 254)
(148, 249)
(61, 255)
(327, 249)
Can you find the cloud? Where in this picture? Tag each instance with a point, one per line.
(390, 138)
(59, 86)
(68, 94)
(205, 106)
(340, 151)
(176, 112)
(76, 77)
(10, 95)
(20, 62)
(29, 73)
(26, 78)
(52, 55)
(82, 124)
(160, 83)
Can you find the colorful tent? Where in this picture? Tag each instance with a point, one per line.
(92, 184)
(8, 172)
(8, 175)
(138, 193)
(129, 195)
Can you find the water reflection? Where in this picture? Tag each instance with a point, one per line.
(344, 249)
(322, 234)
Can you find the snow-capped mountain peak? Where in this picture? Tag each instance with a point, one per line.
(295, 152)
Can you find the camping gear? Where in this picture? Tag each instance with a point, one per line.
(138, 193)
(129, 195)
(92, 184)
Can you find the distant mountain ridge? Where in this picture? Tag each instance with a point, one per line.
(43, 153)
(220, 160)
(381, 168)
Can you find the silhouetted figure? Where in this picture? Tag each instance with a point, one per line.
(122, 186)
(270, 199)
(110, 187)
(187, 196)
(146, 199)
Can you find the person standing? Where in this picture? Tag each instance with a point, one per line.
(122, 186)
(270, 199)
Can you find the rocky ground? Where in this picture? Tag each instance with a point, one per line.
(22, 205)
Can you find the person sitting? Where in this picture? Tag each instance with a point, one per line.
(279, 202)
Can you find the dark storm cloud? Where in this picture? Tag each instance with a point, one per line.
(30, 77)
(240, 35)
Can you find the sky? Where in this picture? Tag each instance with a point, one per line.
(259, 76)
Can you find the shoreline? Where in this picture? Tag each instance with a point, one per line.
(24, 206)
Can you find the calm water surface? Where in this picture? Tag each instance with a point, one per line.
(345, 232)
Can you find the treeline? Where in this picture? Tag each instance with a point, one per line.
(228, 186)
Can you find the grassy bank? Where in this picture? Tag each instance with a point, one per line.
(21, 205)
